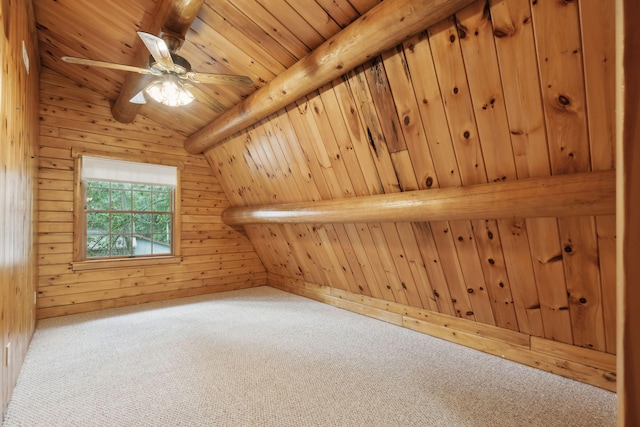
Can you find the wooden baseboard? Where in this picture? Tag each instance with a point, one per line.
(581, 364)
(45, 312)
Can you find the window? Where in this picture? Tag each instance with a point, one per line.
(128, 209)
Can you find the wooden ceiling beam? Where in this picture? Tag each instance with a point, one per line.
(174, 16)
(591, 193)
(383, 27)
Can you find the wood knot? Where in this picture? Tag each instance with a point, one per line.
(563, 100)
(462, 31)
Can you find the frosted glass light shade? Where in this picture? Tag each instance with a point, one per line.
(170, 91)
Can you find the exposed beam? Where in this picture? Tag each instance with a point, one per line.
(383, 27)
(628, 227)
(174, 16)
(591, 193)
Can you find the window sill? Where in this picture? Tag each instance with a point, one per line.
(124, 263)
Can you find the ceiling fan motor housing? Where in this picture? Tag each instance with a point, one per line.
(180, 65)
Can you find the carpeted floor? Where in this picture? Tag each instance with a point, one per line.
(262, 357)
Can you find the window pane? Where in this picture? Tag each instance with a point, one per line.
(142, 244)
(142, 224)
(121, 245)
(161, 244)
(141, 200)
(162, 223)
(120, 200)
(162, 200)
(97, 198)
(121, 223)
(142, 187)
(121, 185)
(98, 223)
(98, 184)
(97, 246)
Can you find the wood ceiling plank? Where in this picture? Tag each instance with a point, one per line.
(476, 35)
(343, 52)
(407, 110)
(383, 106)
(448, 256)
(274, 28)
(357, 137)
(223, 25)
(424, 80)
(420, 279)
(495, 273)
(363, 6)
(452, 77)
(368, 117)
(253, 32)
(517, 57)
(454, 89)
(289, 16)
(344, 144)
(359, 186)
(582, 269)
(340, 11)
(223, 56)
(431, 258)
(325, 142)
(517, 60)
(598, 43)
(564, 99)
(316, 16)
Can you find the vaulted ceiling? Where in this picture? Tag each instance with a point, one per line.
(259, 39)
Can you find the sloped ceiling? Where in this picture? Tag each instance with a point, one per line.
(258, 39)
(504, 90)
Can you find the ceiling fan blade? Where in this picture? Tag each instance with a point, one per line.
(207, 100)
(139, 98)
(224, 79)
(103, 64)
(158, 49)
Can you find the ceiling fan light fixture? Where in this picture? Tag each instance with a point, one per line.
(170, 91)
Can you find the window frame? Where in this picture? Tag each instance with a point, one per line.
(80, 262)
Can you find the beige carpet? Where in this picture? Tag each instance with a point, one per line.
(262, 357)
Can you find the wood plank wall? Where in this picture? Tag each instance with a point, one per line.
(18, 178)
(215, 257)
(495, 93)
(628, 154)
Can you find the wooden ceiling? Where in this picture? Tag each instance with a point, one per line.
(259, 39)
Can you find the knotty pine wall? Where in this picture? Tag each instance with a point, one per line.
(502, 91)
(215, 257)
(18, 188)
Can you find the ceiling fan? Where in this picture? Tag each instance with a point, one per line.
(173, 73)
